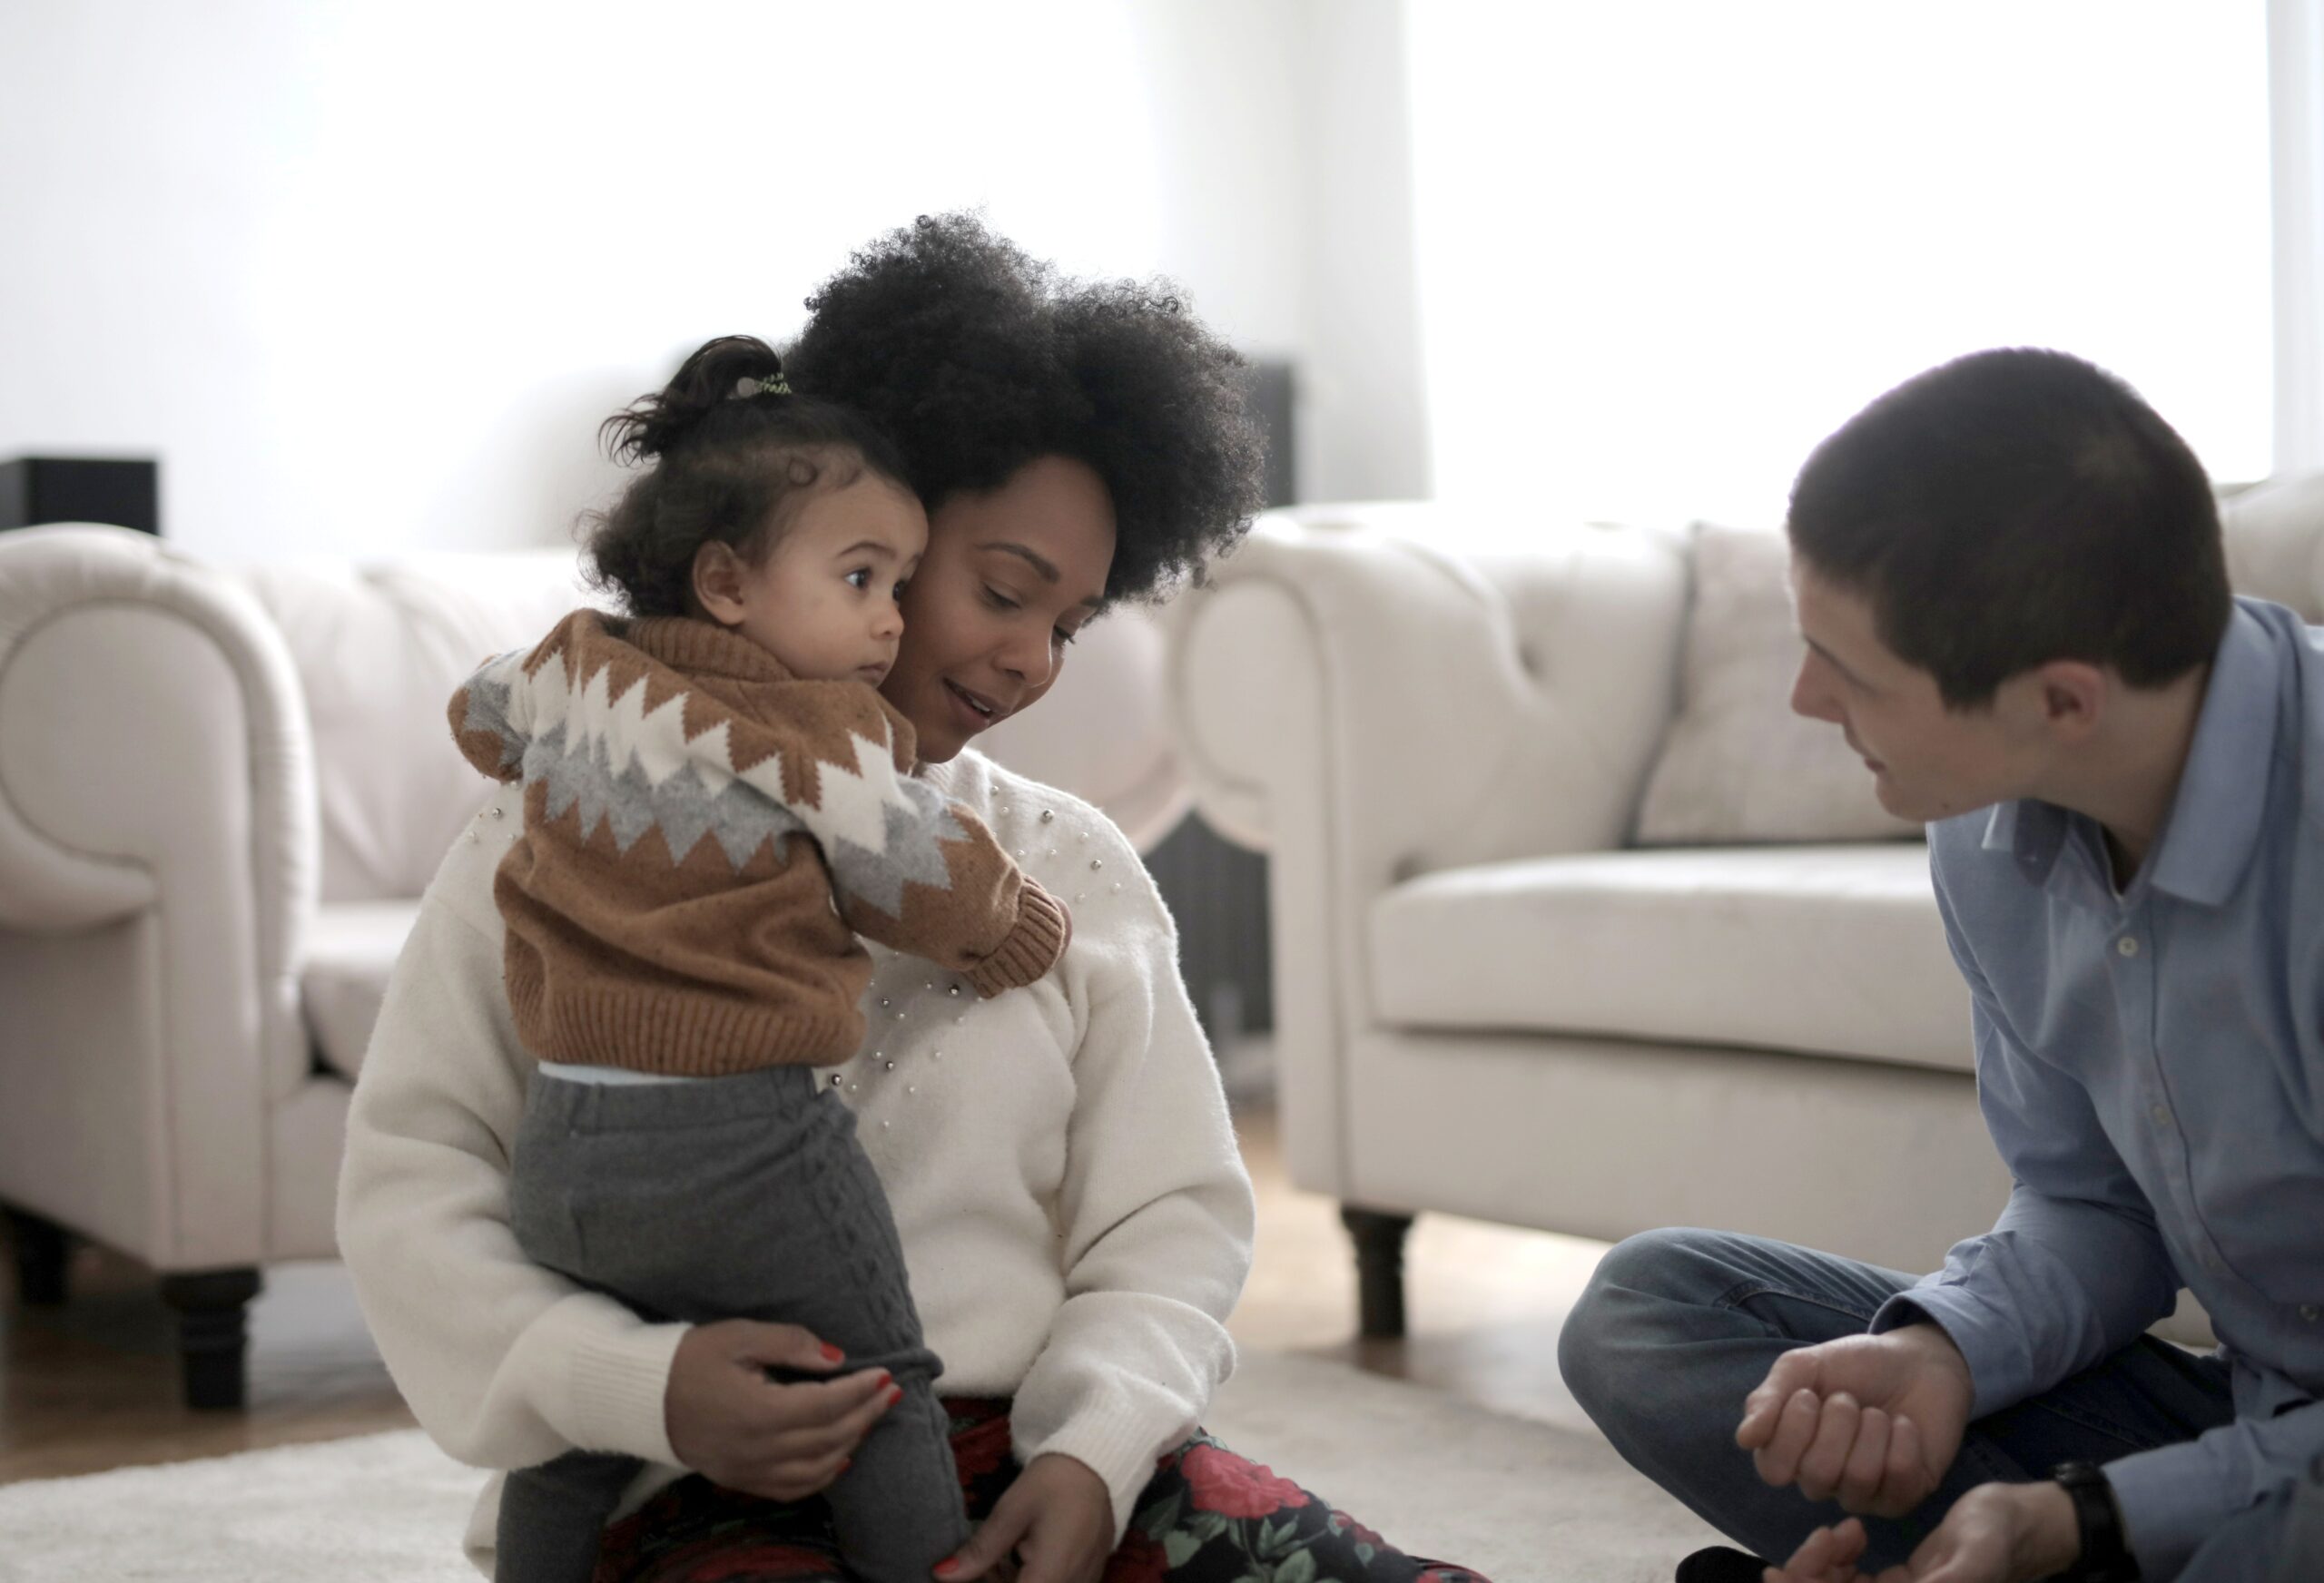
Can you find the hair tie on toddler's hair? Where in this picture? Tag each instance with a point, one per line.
(773, 385)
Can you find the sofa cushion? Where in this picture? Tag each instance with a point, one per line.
(352, 948)
(1828, 950)
(379, 652)
(1737, 764)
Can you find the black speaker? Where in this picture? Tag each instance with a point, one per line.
(1271, 392)
(37, 489)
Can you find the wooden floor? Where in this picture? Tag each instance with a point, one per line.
(94, 1384)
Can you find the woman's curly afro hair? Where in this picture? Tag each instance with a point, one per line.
(980, 360)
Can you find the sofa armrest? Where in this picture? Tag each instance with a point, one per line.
(155, 770)
(1368, 704)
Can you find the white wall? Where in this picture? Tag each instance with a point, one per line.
(1666, 249)
(366, 277)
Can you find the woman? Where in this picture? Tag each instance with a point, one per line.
(1074, 1214)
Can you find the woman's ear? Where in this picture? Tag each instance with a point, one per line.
(718, 577)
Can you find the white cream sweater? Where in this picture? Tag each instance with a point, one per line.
(1076, 1217)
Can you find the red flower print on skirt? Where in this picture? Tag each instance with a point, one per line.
(1208, 1516)
(1225, 1483)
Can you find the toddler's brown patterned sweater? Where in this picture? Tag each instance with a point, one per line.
(704, 836)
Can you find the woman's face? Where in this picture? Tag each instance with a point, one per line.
(1009, 578)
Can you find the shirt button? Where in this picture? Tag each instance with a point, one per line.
(2308, 1312)
(2128, 945)
(2210, 1263)
(2162, 1114)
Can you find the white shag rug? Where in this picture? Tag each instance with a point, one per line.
(1517, 1501)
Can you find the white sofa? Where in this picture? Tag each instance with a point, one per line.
(1489, 1001)
(221, 792)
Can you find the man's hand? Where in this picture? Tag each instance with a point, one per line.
(1997, 1533)
(730, 1423)
(1057, 1520)
(1872, 1421)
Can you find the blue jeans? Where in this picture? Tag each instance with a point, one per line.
(1678, 1327)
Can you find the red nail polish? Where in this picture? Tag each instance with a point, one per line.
(946, 1568)
(895, 1394)
(832, 1354)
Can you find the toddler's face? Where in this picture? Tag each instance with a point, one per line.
(823, 601)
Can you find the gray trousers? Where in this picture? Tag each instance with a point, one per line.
(732, 1198)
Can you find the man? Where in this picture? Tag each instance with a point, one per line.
(2009, 576)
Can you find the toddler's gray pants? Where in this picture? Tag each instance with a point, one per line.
(742, 1197)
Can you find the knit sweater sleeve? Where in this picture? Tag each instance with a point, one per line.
(1155, 1240)
(909, 868)
(481, 716)
(505, 1364)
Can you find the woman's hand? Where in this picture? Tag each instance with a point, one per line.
(735, 1426)
(1057, 1520)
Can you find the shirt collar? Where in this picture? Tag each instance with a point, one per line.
(2222, 797)
(2214, 819)
(2032, 832)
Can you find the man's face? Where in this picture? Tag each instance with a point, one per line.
(1928, 762)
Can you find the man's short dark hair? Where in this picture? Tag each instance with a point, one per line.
(2014, 508)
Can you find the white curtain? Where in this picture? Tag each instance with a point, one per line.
(1665, 248)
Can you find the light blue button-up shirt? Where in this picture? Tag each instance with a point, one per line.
(2151, 1063)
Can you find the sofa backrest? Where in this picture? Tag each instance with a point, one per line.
(1735, 765)
(379, 651)
(2275, 542)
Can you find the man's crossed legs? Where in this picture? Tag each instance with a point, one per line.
(1678, 1326)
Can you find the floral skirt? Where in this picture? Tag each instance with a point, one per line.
(1208, 1517)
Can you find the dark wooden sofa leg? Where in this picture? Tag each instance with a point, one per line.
(213, 1341)
(43, 1248)
(1379, 1239)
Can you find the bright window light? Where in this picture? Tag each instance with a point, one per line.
(1665, 248)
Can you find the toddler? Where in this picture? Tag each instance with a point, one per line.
(716, 802)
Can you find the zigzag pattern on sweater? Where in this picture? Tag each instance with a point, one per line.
(635, 769)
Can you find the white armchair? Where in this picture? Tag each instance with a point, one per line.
(221, 793)
(1488, 1001)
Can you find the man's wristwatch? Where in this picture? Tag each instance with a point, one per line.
(2105, 1553)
